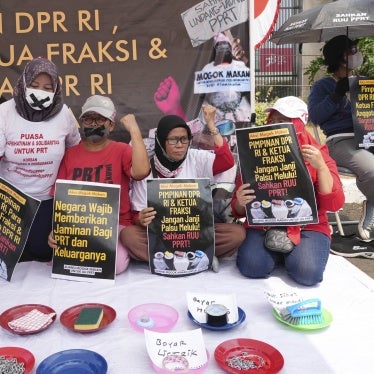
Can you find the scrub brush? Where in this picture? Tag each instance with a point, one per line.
(306, 312)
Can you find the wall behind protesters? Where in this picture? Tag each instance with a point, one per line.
(119, 48)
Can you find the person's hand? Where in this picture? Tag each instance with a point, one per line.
(244, 195)
(52, 242)
(209, 113)
(312, 155)
(146, 216)
(167, 96)
(342, 86)
(237, 50)
(129, 122)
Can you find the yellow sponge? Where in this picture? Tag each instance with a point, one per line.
(89, 318)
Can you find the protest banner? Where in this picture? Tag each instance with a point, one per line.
(85, 226)
(17, 213)
(362, 100)
(216, 79)
(181, 236)
(105, 47)
(271, 161)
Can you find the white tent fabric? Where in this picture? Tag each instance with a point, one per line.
(344, 347)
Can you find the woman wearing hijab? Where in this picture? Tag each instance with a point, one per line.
(311, 243)
(175, 159)
(35, 129)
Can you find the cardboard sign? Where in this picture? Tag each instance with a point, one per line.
(183, 351)
(271, 161)
(85, 225)
(206, 19)
(362, 100)
(17, 213)
(181, 236)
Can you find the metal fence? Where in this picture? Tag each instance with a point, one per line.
(277, 71)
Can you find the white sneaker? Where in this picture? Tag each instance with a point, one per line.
(366, 224)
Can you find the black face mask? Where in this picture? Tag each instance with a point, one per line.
(95, 134)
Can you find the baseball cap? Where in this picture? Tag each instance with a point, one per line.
(334, 49)
(99, 104)
(291, 107)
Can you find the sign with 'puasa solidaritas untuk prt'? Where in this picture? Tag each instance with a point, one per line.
(17, 212)
(85, 226)
(270, 160)
(181, 236)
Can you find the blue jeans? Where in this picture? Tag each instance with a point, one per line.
(305, 264)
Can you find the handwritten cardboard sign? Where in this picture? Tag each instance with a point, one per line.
(208, 18)
(187, 346)
(198, 302)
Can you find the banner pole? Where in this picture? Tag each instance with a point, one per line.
(252, 63)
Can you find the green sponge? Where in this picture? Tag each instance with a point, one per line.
(89, 318)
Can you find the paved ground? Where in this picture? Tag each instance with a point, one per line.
(352, 212)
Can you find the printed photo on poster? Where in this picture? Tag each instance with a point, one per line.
(362, 100)
(181, 236)
(270, 160)
(85, 226)
(224, 82)
(17, 213)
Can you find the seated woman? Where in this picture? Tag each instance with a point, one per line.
(307, 261)
(175, 159)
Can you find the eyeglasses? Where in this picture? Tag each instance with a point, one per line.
(91, 120)
(175, 140)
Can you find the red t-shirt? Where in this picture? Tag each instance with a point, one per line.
(109, 165)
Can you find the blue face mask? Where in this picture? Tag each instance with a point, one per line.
(95, 134)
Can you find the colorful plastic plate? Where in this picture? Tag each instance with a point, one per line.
(21, 355)
(267, 359)
(327, 319)
(159, 317)
(75, 361)
(21, 310)
(69, 316)
(199, 370)
(225, 327)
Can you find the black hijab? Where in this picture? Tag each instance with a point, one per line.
(32, 69)
(165, 125)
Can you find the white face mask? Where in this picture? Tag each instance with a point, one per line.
(39, 99)
(355, 61)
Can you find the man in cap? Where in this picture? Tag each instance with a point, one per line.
(330, 108)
